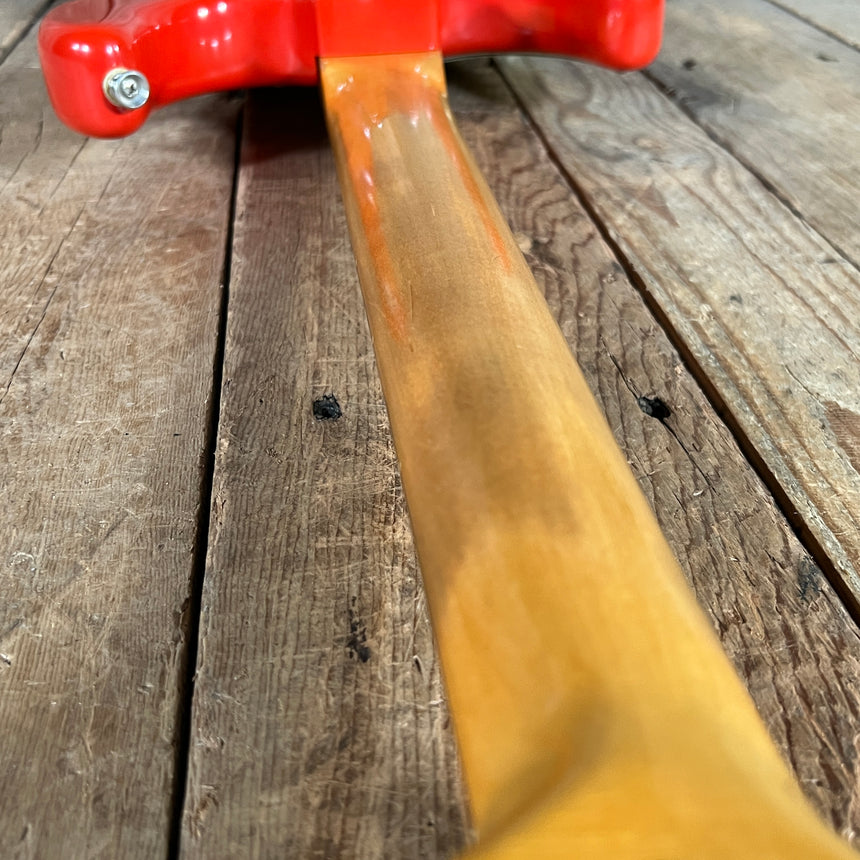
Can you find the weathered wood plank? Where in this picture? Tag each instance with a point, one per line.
(15, 17)
(765, 307)
(781, 95)
(779, 620)
(840, 18)
(319, 728)
(109, 303)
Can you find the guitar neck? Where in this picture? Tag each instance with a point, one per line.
(596, 713)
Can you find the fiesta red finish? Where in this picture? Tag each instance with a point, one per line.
(189, 47)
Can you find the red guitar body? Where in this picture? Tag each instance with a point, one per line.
(181, 48)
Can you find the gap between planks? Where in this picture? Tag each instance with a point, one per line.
(832, 17)
(99, 494)
(194, 610)
(759, 465)
(795, 259)
(17, 18)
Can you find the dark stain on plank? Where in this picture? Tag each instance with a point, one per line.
(326, 408)
(655, 407)
(357, 641)
(808, 580)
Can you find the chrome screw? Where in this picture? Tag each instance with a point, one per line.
(126, 88)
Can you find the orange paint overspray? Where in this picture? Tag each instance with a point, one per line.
(370, 92)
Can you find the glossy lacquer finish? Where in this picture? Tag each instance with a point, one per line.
(188, 47)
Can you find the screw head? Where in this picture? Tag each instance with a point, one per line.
(126, 88)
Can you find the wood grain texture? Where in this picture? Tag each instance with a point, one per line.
(319, 727)
(764, 306)
(840, 18)
(781, 95)
(780, 622)
(15, 17)
(109, 301)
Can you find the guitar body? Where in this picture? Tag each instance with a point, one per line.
(188, 47)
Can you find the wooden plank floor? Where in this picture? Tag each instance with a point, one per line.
(837, 18)
(213, 637)
(16, 18)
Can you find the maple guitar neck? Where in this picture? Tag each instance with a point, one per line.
(596, 714)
